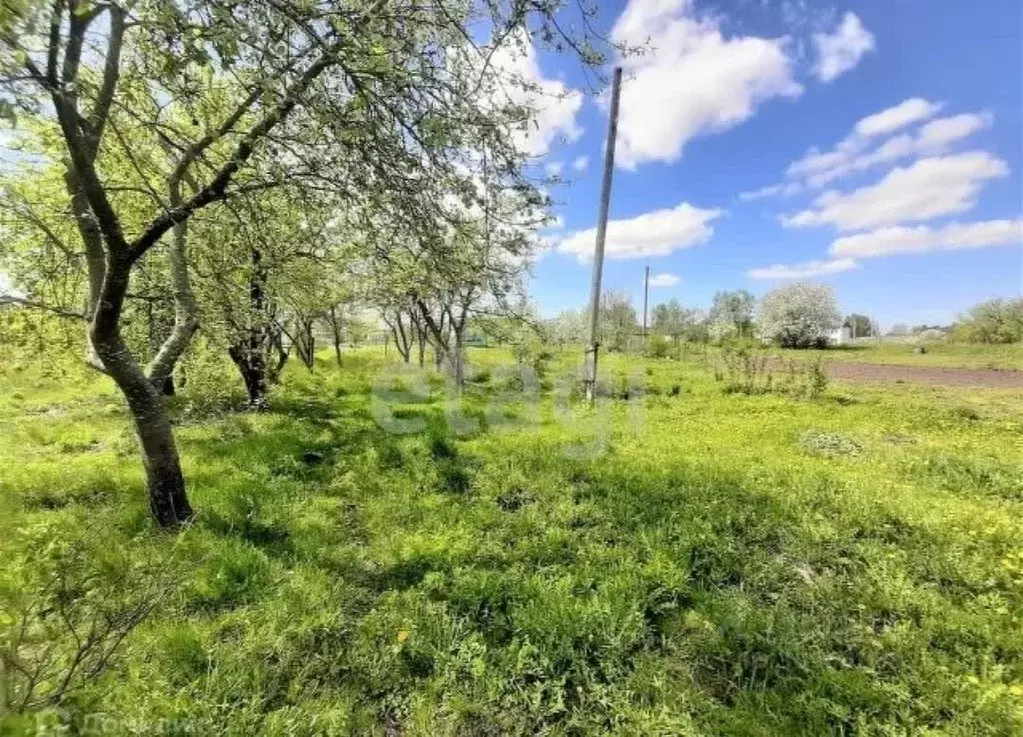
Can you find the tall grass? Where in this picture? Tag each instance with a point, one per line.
(719, 566)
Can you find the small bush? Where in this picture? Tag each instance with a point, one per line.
(209, 384)
(659, 347)
(480, 377)
(807, 379)
(536, 355)
(66, 615)
(829, 444)
(745, 369)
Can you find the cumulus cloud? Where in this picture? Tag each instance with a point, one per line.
(554, 168)
(842, 50)
(889, 120)
(655, 233)
(942, 132)
(817, 163)
(580, 163)
(664, 280)
(694, 81)
(923, 238)
(514, 77)
(807, 270)
(933, 138)
(817, 168)
(929, 188)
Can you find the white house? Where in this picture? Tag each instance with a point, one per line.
(841, 336)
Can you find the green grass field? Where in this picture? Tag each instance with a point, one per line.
(687, 562)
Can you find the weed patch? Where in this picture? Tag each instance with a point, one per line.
(829, 444)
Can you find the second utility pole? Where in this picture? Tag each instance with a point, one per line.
(646, 296)
(590, 371)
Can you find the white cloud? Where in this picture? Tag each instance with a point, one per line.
(842, 50)
(694, 81)
(929, 188)
(655, 233)
(515, 78)
(907, 112)
(817, 168)
(806, 270)
(923, 238)
(554, 168)
(890, 120)
(933, 138)
(885, 122)
(664, 280)
(942, 132)
(580, 163)
(786, 190)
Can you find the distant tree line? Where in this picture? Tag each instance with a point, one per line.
(800, 315)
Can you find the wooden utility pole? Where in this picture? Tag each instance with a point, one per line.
(590, 371)
(646, 296)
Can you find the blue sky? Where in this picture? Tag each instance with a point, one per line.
(913, 214)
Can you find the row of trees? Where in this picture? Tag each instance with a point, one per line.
(994, 321)
(800, 315)
(797, 316)
(251, 169)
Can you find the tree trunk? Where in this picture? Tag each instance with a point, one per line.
(252, 367)
(257, 340)
(166, 484)
(106, 351)
(305, 342)
(186, 314)
(457, 356)
(402, 338)
(276, 345)
(164, 481)
(335, 327)
(92, 239)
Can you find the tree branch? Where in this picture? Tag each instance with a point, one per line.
(60, 311)
(111, 74)
(216, 188)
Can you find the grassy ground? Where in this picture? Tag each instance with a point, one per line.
(686, 563)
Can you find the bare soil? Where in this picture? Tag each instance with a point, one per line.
(928, 375)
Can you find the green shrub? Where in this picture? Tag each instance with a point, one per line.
(807, 379)
(65, 613)
(745, 368)
(535, 354)
(208, 383)
(657, 346)
(995, 321)
(829, 443)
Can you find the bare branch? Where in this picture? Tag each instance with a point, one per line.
(59, 311)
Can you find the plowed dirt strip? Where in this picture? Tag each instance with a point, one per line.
(932, 376)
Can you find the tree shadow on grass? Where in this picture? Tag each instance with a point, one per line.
(606, 565)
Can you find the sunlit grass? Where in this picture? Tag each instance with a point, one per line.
(727, 564)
